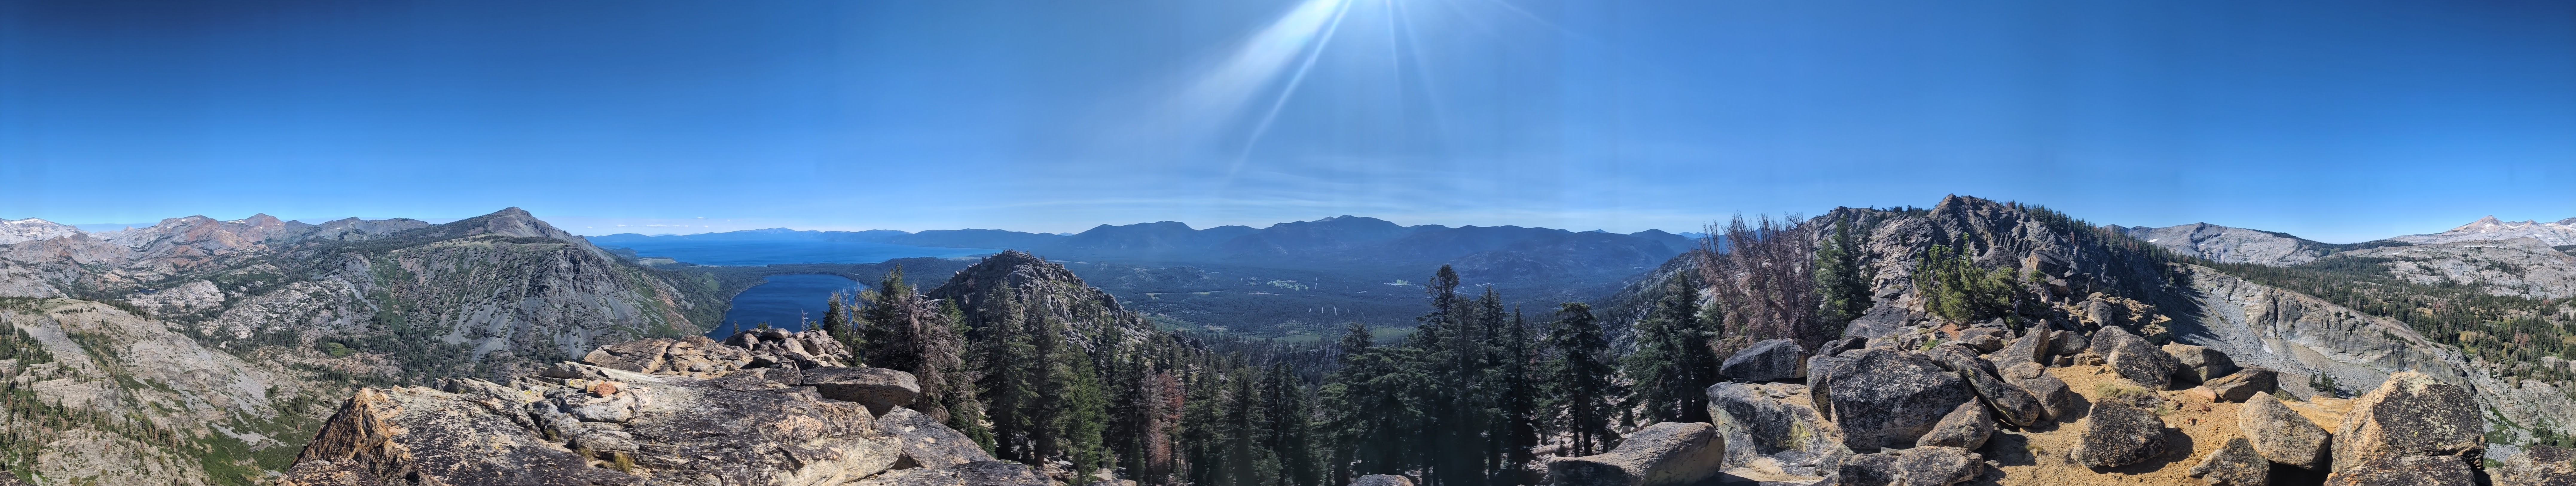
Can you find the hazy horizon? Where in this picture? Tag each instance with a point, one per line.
(2334, 121)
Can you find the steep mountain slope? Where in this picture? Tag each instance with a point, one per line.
(2562, 232)
(198, 351)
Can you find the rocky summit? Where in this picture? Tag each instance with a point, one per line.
(583, 423)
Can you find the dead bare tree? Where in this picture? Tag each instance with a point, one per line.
(1762, 276)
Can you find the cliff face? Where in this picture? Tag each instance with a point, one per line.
(210, 346)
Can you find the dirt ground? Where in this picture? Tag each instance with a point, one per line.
(2194, 428)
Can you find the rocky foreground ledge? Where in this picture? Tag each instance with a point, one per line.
(683, 412)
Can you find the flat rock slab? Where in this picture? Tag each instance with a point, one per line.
(2244, 384)
(879, 388)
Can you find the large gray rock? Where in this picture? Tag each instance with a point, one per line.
(1661, 454)
(2011, 404)
(1382, 480)
(2391, 470)
(1777, 359)
(801, 350)
(1920, 466)
(2409, 415)
(2118, 434)
(1965, 427)
(1886, 398)
(2134, 358)
(1820, 374)
(1773, 427)
(2235, 464)
(2537, 466)
(2055, 400)
(2244, 384)
(2199, 364)
(2281, 434)
(879, 388)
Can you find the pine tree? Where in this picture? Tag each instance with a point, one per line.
(1845, 294)
(1291, 431)
(1249, 460)
(892, 324)
(1518, 408)
(1675, 362)
(1581, 376)
(1374, 424)
(836, 321)
(1010, 377)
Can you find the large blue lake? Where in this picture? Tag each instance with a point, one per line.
(783, 301)
(766, 252)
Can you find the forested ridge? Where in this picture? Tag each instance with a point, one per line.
(1041, 369)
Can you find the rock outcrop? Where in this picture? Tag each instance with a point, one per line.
(583, 424)
(2282, 435)
(694, 357)
(771, 348)
(2410, 415)
(1669, 453)
(1777, 359)
(1883, 397)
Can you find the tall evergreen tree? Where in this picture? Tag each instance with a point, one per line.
(1845, 294)
(1005, 349)
(1675, 361)
(1291, 429)
(836, 321)
(1581, 380)
(1374, 424)
(1517, 410)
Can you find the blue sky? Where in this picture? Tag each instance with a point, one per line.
(2339, 121)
